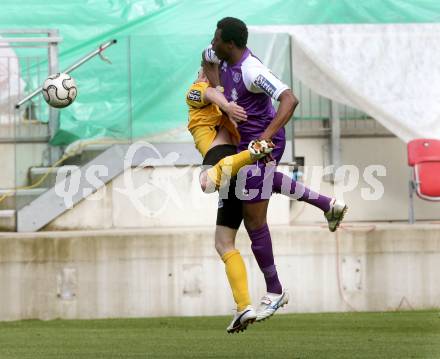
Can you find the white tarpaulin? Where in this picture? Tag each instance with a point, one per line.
(391, 72)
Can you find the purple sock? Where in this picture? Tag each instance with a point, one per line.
(287, 186)
(262, 248)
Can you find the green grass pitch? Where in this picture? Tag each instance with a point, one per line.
(407, 334)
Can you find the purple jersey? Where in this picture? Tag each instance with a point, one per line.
(251, 85)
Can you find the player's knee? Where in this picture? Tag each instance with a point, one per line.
(203, 180)
(223, 247)
(219, 248)
(205, 183)
(224, 242)
(252, 223)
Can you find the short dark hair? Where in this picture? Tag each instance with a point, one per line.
(235, 30)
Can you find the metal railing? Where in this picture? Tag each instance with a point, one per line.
(313, 117)
(24, 54)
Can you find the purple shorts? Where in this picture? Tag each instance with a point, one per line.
(254, 182)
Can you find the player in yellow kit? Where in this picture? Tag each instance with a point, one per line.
(212, 122)
(212, 125)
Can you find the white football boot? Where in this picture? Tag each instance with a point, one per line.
(242, 319)
(260, 148)
(335, 214)
(270, 303)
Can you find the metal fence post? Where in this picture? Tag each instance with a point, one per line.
(411, 216)
(55, 152)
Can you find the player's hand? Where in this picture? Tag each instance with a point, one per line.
(235, 112)
(269, 142)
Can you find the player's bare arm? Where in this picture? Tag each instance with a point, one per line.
(235, 112)
(288, 103)
(210, 66)
(211, 72)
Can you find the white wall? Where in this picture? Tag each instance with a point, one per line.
(176, 199)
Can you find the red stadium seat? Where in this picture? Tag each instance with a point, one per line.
(424, 158)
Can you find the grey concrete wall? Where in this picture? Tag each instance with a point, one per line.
(161, 272)
(16, 160)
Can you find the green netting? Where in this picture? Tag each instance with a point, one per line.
(159, 48)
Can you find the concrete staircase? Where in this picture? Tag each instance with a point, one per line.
(15, 135)
(7, 220)
(12, 203)
(115, 159)
(22, 197)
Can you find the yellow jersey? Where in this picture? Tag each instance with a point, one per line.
(202, 113)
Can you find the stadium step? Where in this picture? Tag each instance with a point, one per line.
(7, 220)
(31, 217)
(87, 155)
(36, 173)
(24, 131)
(49, 205)
(21, 198)
(78, 160)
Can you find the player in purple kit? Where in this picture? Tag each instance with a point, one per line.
(252, 86)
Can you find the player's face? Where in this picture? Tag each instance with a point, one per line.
(220, 47)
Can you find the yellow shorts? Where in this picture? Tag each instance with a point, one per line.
(204, 134)
(203, 137)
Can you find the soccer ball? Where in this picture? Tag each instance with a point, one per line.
(59, 90)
